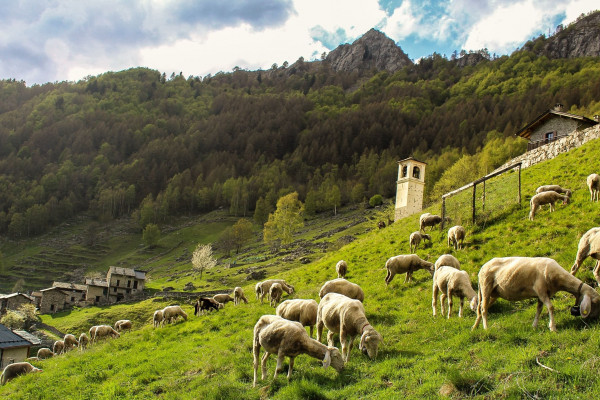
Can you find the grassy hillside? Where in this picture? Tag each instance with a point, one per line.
(209, 357)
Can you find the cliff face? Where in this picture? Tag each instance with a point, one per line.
(373, 50)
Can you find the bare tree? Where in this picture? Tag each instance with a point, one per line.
(203, 258)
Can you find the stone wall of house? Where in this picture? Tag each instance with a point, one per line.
(561, 126)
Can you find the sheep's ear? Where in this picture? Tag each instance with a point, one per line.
(586, 306)
(327, 359)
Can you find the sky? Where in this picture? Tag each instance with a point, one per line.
(68, 40)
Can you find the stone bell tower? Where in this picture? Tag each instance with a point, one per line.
(410, 187)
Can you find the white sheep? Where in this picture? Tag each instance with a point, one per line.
(92, 333)
(223, 298)
(70, 342)
(346, 317)
(84, 341)
(103, 331)
(415, 239)
(428, 219)
(452, 282)
(44, 353)
(171, 313)
(341, 268)
(553, 188)
(589, 246)
(238, 296)
(593, 182)
(456, 236)
(58, 347)
(448, 260)
(123, 324)
(275, 293)
(158, 318)
(406, 263)
(11, 371)
(301, 310)
(288, 339)
(262, 288)
(342, 286)
(543, 198)
(519, 278)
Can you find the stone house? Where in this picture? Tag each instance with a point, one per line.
(14, 301)
(13, 348)
(124, 283)
(53, 300)
(75, 293)
(552, 125)
(97, 291)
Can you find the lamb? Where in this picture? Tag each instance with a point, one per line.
(553, 188)
(263, 288)
(342, 286)
(58, 347)
(546, 198)
(415, 239)
(341, 268)
(303, 311)
(406, 263)
(223, 298)
(44, 353)
(428, 219)
(448, 260)
(158, 318)
(16, 369)
(103, 331)
(593, 182)
(456, 236)
(70, 342)
(288, 339)
(451, 281)
(275, 293)
(589, 246)
(206, 304)
(123, 324)
(171, 313)
(519, 278)
(340, 314)
(92, 332)
(84, 341)
(238, 295)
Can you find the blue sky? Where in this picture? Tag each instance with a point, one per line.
(67, 40)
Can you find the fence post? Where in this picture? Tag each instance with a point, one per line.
(520, 206)
(443, 213)
(474, 192)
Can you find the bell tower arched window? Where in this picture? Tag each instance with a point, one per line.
(416, 172)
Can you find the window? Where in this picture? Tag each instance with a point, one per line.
(51, 307)
(416, 172)
(97, 298)
(550, 136)
(105, 291)
(128, 283)
(115, 290)
(72, 298)
(118, 281)
(404, 171)
(135, 284)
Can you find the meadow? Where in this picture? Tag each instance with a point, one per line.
(422, 356)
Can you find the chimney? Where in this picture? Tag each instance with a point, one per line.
(558, 107)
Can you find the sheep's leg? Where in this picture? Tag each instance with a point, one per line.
(551, 206)
(256, 353)
(540, 305)
(279, 366)
(597, 271)
(442, 301)
(460, 307)
(344, 343)
(330, 339)
(263, 367)
(289, 375)
(312, 327)
(408, 277)
(434, 296)
(319, 330)
(389, 277)
(450, 303)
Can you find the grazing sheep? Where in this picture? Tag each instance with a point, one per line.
(103, 331)
(342, 286)
(303, 311)
(546, 198)
(92, 333)
(70, 342)
(84, 341)
(44, 353)
(553, 188)
(206, 304)
(415, 239)
(345, 316)
(275, 293)
(263, 288)
(171, 313)
(456, 236)
(589, 246)
(11, 371)
(428, 219)
(451, 281)
(123, 324)
(519, 278)
(288, 339)
(341, 268)
(158, 318)
(58, 347)
(406, 263)
(448, 260)
(238, 295)
(223, 298)
(593, 182)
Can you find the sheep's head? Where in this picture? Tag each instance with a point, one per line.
(566, 200)
(334, 358)
(590, 304)
(474, 303)
(369, 342)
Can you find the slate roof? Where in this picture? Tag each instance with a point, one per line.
(8, 296)
(96, 282)
(127, 272)
(9, 339)
(69, 286)
(546, 115)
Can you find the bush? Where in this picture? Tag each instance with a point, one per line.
(13, 320)
(376, 200)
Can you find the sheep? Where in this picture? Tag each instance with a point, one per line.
(415, 239)
(448, 260)
(238, 295)
(11, 371)
(554, 188)
(44, 353)
(158, 318)
(519, 278)
(346, 316)
(171, 313)
(303, 311)
(84, 341)
(451, 281)
(58, 347)
(123, 324)
(262, 288)
(428, 219)
(406, 263)
(288, 339)
(70, 342)
(456, 236)
(341, 268)
(342, 286)
(546, 198)
(275, 293)
(593, 182)
(589, 246)
(105, 331)
(223, 298)
(206, 304)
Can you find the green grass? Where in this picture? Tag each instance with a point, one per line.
(209, 357)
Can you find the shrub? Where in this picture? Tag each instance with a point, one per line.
(13, 319)
(376, 200)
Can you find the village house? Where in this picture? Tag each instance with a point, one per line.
(97, 290)
(14, 301)
(124, 283)
(75, 293)
(13, 348)
(53, 300)
(552, 125)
